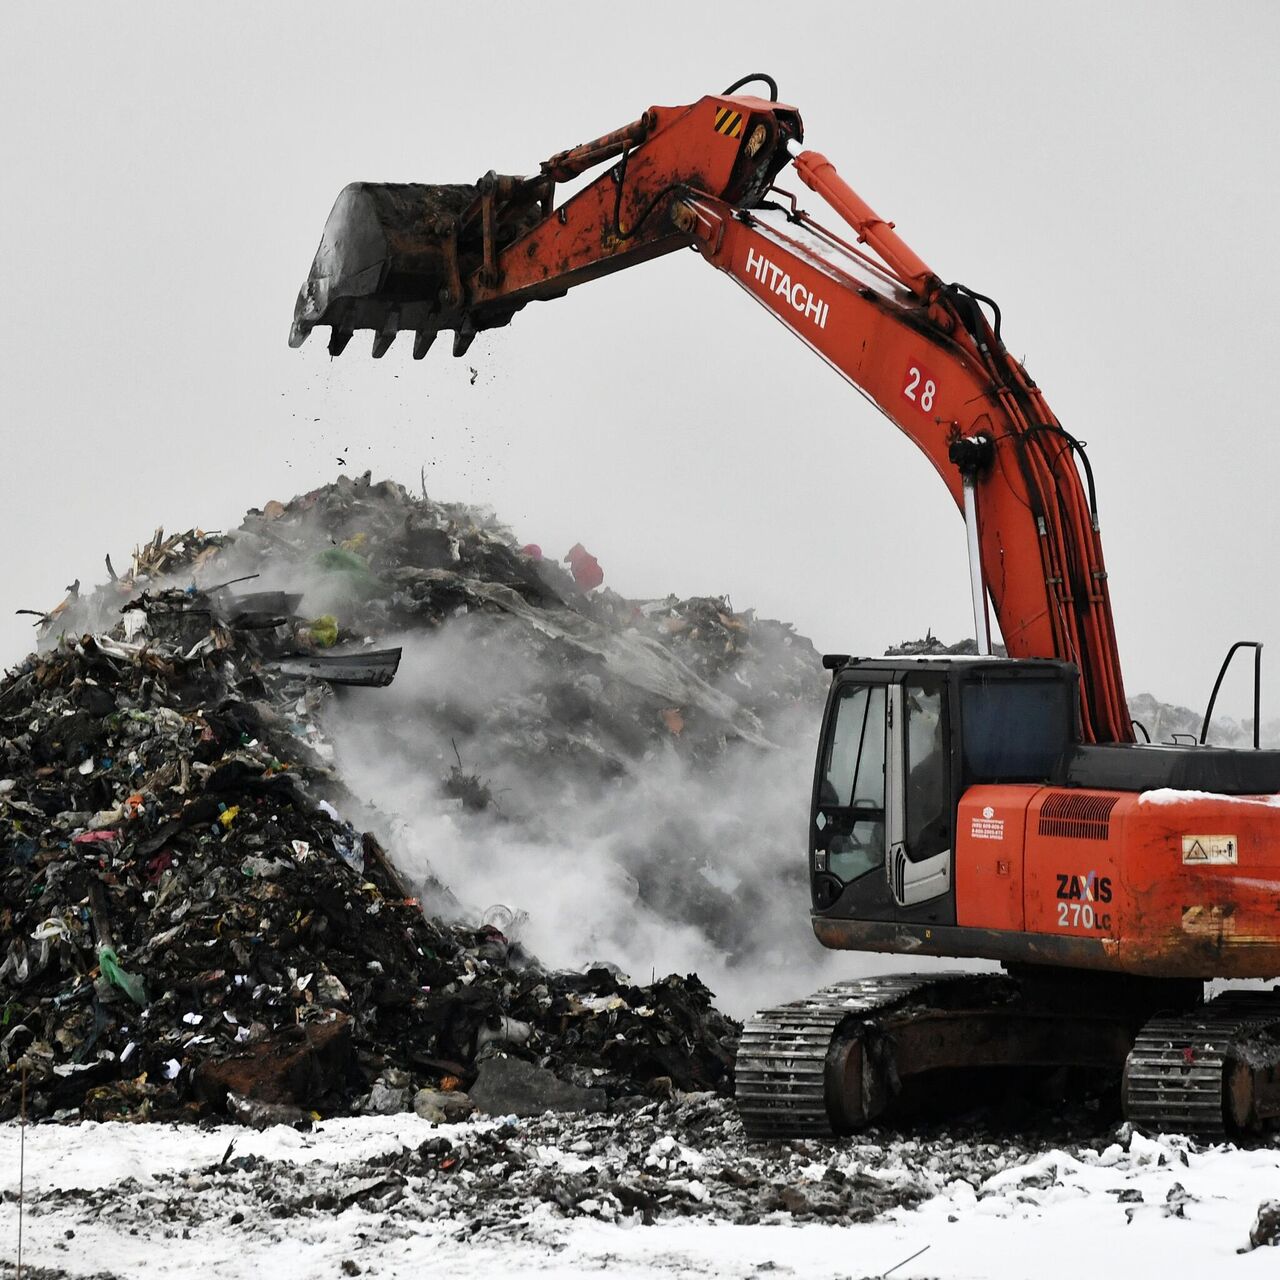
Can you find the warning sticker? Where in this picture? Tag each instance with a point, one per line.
(1208, 850)
(988, 826)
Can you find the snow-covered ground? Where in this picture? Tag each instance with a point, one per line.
(390, 1196)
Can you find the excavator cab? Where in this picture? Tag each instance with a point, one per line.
(958, 811)
(902, 740)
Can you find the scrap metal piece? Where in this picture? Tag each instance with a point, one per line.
(370, 668)
(254, 602)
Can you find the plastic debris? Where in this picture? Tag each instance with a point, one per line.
(129, 983)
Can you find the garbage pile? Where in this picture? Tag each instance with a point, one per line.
(188, 922)
(930, 646)
(1169, 722)
(634, 774)
(384, 562)
(191, 926)
(549, 741)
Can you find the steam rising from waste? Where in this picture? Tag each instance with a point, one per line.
(629, 779)
(655, 862)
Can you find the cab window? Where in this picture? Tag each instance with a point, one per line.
(928, 771)
(1016, 730)
(851, 804)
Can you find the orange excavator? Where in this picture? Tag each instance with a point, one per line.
(991, 807)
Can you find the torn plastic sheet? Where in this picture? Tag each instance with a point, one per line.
(370, 668)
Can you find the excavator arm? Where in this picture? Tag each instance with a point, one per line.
(927, 354)
(427, 258)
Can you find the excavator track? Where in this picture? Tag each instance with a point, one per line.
(781, 1070)
(1191, 1073)
(856, 1052)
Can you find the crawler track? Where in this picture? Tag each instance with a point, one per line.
(858, 1051)
(781, 1071)
(1191, 1074)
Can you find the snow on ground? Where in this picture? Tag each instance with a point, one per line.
(396, 1195)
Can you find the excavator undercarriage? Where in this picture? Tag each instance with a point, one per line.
(869, 1050)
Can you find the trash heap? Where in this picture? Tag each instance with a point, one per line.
(665, 746)
(191, 927)
(931, 647)
(382, 561)
(1169, 722)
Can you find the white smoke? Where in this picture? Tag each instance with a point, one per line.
(656, 863)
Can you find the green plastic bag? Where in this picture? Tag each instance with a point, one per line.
(129, 983)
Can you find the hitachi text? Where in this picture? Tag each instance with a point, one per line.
(779, 282)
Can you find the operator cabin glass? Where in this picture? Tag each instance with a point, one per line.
(852, 795)
(1016, 730)
(928, 803)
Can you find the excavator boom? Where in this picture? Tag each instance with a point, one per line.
(427, 258)
(466, 258)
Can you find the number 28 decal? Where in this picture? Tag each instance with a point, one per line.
(920, 387)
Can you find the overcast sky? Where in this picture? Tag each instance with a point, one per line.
(1106, 171)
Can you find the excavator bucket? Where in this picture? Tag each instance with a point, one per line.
(395, 256)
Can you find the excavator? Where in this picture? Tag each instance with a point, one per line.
(993, 807)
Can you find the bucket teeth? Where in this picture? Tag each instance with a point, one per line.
(463, 339)
(386, 334)
(401, 256)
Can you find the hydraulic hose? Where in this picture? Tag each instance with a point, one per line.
(758, 75)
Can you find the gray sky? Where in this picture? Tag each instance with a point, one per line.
(1106, 171)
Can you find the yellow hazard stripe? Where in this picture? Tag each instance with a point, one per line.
(729, 122)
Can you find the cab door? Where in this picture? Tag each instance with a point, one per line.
(848, 832)
(881, 834)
